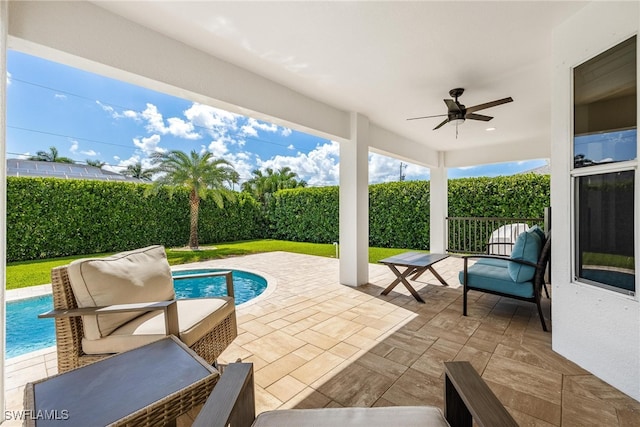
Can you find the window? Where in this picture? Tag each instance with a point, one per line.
(605, 230)
(605, 159)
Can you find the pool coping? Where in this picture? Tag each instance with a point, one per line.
(28, 292)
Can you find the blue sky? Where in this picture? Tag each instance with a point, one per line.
(87, 116)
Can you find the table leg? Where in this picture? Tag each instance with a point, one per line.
(419, 272)
(437, 276)
(402, 277)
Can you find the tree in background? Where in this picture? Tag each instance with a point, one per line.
(203, 175)
(50, 156)
(263, 185)
(95, 163)
(137, 171)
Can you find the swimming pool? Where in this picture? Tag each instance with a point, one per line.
(26, 333)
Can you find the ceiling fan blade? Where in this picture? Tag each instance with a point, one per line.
(441, 124)
(427, 117)
(489, 104)
(452, 106)
(474, 116)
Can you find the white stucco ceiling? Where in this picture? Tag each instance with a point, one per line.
(386, 60)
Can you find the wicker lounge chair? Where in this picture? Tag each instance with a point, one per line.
(127, 300)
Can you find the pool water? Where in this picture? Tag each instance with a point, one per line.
(26, 333)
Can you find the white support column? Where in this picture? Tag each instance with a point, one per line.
(4, 24)
(438, 207)
(354, 204)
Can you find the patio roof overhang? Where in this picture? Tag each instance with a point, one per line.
(396, 60)
(353, 72)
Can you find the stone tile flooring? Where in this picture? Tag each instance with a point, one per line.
(316, 343)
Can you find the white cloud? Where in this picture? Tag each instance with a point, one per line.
(74, 146)
(8, 78)
(109, 109)
(252, 126)
(60, 96)
(319, 167)
(177, 127)
(383, 169)
(181, 129)
(249, 131)
(387, 169)
(218, 148)
(215, 121)
(90, 153)
(130, 114)
(149, 145)
(267, 127)
(291, 147)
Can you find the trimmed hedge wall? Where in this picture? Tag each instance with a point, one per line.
(399, 215)
(517, 196)
(50, 217)
(304, 214)
(399, 211)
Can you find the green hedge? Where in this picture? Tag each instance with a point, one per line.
(49, 217)
(399, 215)
(399, 211)
(517, 196)
(304, 214)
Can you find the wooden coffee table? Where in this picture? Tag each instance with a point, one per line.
(148, 386)
(416, 263)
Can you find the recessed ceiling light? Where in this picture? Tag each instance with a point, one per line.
(490, 129)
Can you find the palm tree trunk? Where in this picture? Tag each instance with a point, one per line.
(194, 204)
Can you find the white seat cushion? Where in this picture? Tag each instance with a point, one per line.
(196, 317)
(405, 416)
(141, 275)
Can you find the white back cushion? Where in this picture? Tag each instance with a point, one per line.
(141, 275)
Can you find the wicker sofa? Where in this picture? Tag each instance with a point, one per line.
(104, 306)
(468, 401)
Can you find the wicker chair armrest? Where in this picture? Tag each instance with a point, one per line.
(232, 400)
(169, 307)
(467, 398)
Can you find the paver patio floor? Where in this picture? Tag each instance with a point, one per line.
(317, 343)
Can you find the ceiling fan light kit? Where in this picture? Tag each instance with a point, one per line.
(457, 113)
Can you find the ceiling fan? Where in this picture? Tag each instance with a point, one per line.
(458, 113)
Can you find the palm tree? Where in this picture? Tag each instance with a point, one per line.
(50, 156)
(202, 175)
(96, 163)
(284, 178)
(263, 185)
(137, 171)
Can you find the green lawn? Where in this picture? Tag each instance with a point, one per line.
(610, 260)
(30, 273)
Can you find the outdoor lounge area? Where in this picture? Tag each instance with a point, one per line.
(357, 74)
(315, 343)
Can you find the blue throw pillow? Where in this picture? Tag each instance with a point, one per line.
(538, 231)
(526, 248)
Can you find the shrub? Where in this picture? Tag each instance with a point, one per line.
(50, 217)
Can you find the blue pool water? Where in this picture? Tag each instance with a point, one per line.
(27, 333)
